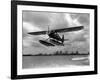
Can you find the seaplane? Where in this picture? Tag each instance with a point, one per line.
(54, 38)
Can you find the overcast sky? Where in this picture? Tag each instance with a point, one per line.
(38, 21)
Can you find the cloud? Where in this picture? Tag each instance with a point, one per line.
(84, 19)
(40, 19)
(30, 27)
(28, 39)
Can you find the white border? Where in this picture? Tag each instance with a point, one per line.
(21, 71)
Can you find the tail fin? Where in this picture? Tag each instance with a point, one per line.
(62, 38)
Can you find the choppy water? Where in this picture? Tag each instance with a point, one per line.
(54, 61)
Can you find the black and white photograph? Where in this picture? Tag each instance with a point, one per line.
(54, 39)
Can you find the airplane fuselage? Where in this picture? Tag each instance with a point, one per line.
(55, 36)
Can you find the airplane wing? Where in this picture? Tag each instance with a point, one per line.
(70, 29)
(38, 33)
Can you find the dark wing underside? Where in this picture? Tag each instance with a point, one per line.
(69, 29)
(58, 30)
(38, 33)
